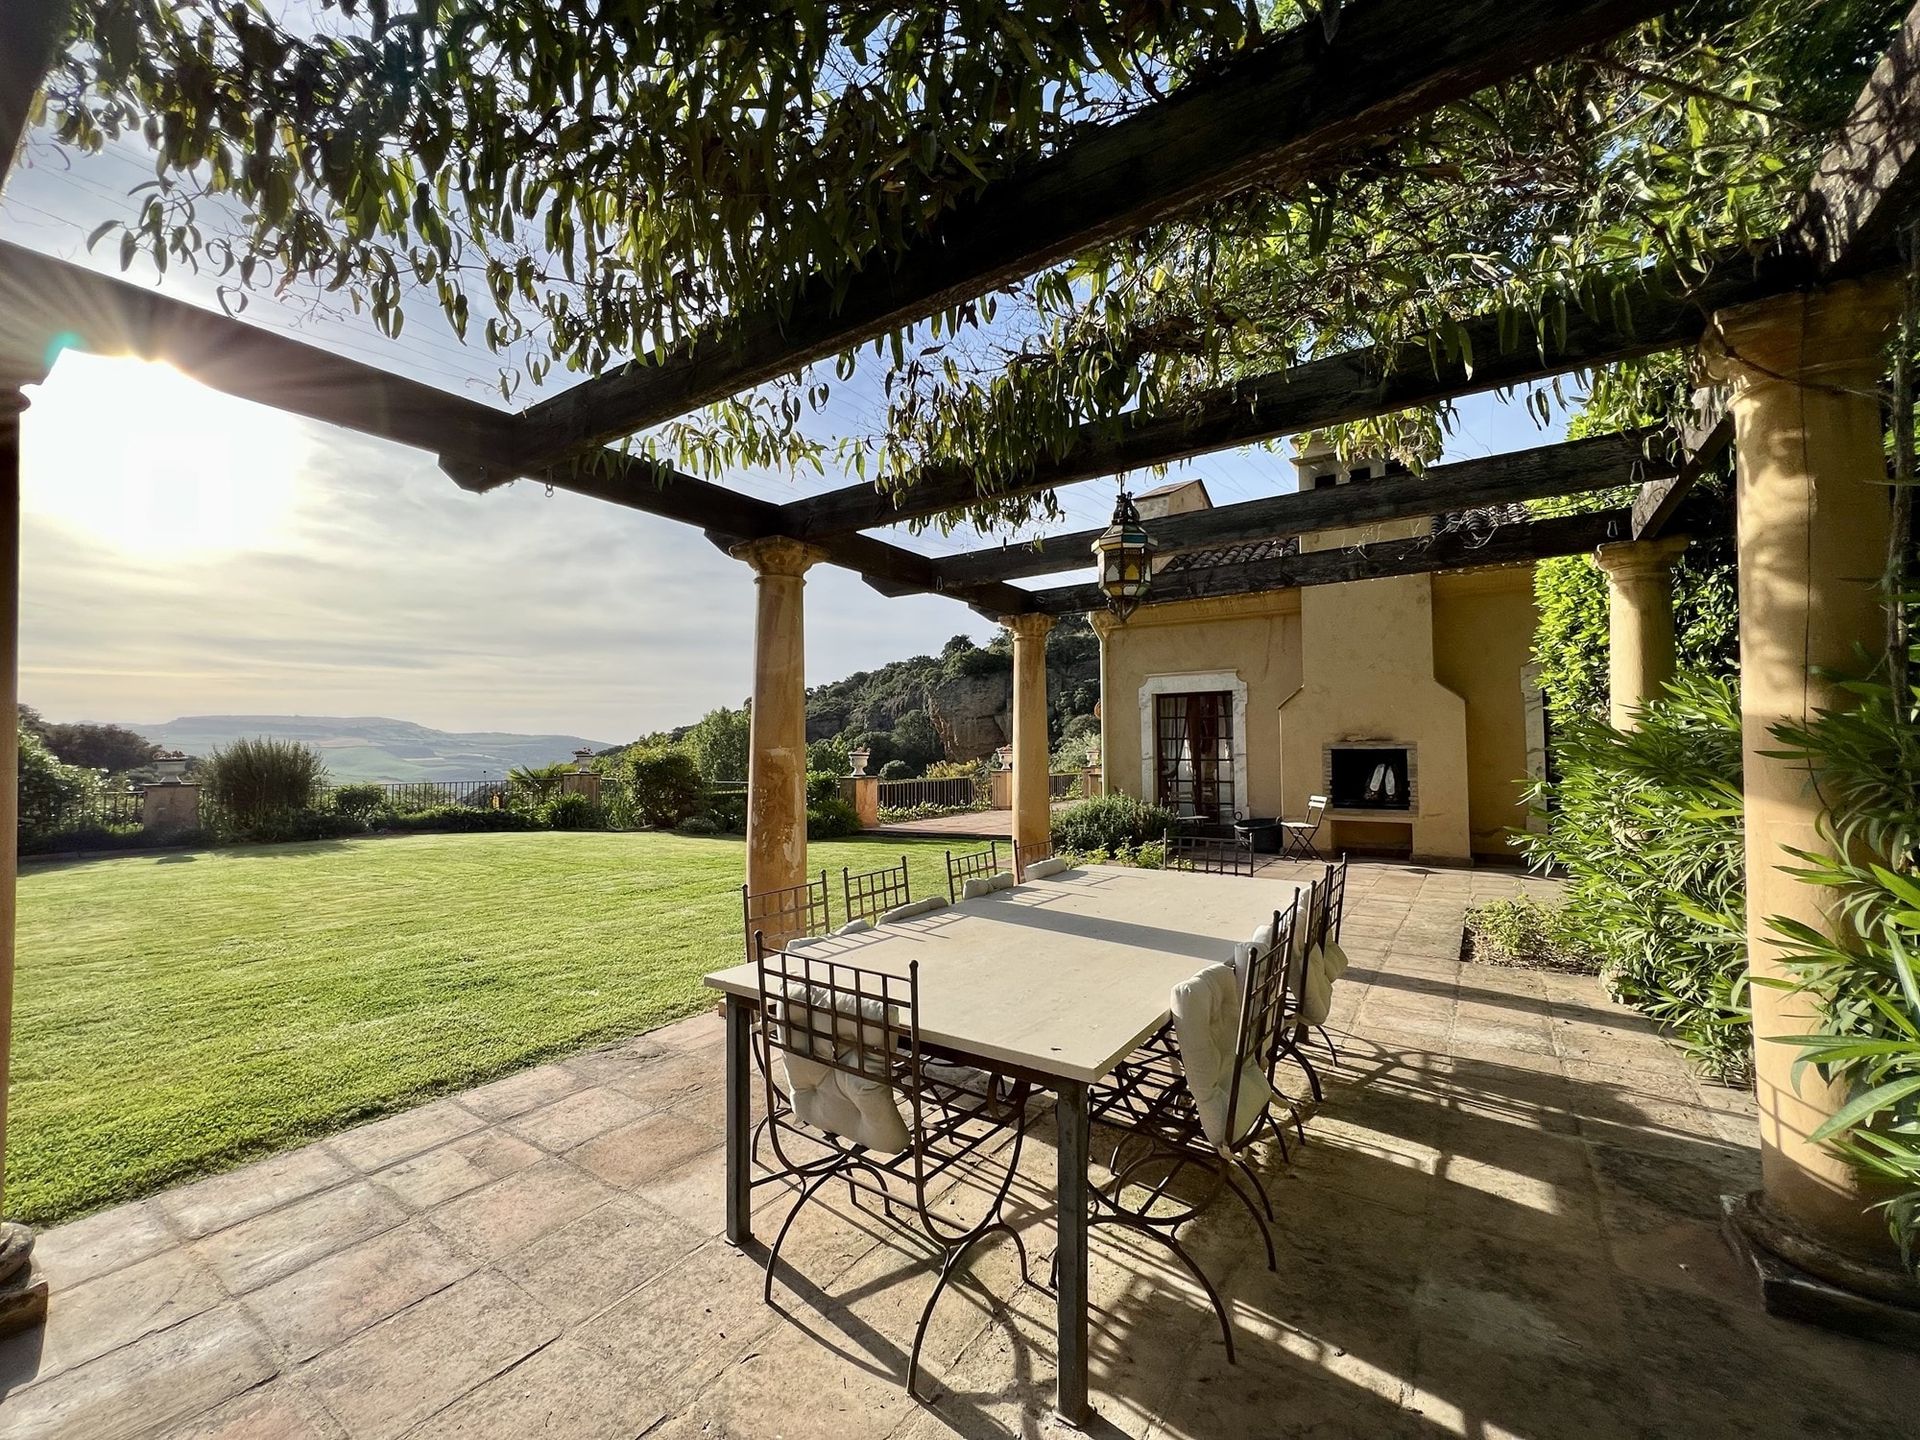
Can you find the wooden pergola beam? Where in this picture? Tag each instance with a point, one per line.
(1286, 111)
(1868, 182)
(1576, 467)
(30, 36)
(1516, 543)
(1353, 385)
(1660, 500)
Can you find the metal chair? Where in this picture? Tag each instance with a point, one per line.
(1209, 854)
(872, 893)
(1151, 1101)
(797, 910)
(1297, 836)
(1025, 855)
(1294, 1027)
(973, 865)
(849, 1042)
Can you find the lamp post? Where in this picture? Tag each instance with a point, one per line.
(1125, 556)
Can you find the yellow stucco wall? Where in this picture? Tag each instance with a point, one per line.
(1483, 623)
(1257, 637)
(1482, 632)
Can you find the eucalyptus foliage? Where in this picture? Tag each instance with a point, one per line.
(1866, 976)
(1646, 825)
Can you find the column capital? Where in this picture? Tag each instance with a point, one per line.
(1031, 626)
(1802, 337)
(778, 555)
(1625, 560)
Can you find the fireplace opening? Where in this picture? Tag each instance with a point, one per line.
(1370, 777)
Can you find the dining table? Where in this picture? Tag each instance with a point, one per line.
(1056, 980)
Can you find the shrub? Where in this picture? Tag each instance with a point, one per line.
(49, 788)
(1867, 984)
(572, 811)
(253, 782)
(831, 819)
(362, 802)
(727, 811)
(1523, 932)
(462, 818)
(720, 744)
(540, 782)
(1110, 822)
(698, 825)
(306, 823)
(665, 787)
(897, 770)
(1647, 825)
(822, 786)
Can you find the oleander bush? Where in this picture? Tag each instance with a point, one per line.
(1646, 826)
(1867, 982)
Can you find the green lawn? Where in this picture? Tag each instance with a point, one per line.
(176, 1014)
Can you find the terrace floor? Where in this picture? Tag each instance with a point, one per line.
(1503, 1224)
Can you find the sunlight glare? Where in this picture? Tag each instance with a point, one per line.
(140, 457)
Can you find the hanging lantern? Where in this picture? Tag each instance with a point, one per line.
(1126, 558)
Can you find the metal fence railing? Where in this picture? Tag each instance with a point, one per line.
(1064, 786)
(108, 808)
(958, 793)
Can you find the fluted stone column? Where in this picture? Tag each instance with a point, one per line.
(1032, 812)
(23, 1299)
(1814, 520)
(777, 769)
(1640, 639)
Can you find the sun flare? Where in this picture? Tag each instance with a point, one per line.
(140, 457)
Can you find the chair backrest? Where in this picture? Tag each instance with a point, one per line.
(1316, 807)
(1025, 855)
(972, 865)
(1263, 1003)
(843, 1032)
(1336, 885)
(872, 893)
(1310, 908)
(1208, 854)
(783, 914)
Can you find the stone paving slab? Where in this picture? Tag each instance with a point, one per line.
(1503, 1223)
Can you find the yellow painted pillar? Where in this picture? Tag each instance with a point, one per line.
(1032, 813)
(1640, 639)
(1814, 519)
(777, 768)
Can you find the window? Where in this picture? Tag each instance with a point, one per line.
(1193, 753)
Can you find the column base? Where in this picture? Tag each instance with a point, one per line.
(23, 1295)
(1874, 1302)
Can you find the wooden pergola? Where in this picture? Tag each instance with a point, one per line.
(1780, 326)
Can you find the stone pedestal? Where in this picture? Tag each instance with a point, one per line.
(581, 782)
(170, 805)
(862, 792)
(1814, 519)
(1032, 812)
(1640, 637)
(777, 769)
(1000, 784)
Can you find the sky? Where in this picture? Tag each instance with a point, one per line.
(183, 552)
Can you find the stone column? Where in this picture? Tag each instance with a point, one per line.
(1640, 648)
(1814, 519)
(777, 770)
(1032, 813)
(23, 1298)
(1104, 624)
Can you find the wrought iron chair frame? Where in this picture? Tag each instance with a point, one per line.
(947, 1123)
(811, 902)
(968, 866)
(871, 893)
(1025, 855)
(1151, 1102)
(1209, 854)
(1293, 1029)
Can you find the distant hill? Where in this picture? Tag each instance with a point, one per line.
(371, 747)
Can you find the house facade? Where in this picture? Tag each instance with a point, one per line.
(1408, 701)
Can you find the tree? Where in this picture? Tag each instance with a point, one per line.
(666, 785)
(49, 789)
(721, 745)
(112, 748)
(916, 742)
(540, 781)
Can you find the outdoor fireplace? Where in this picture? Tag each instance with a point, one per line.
(1370, 777)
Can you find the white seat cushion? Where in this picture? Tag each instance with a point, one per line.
(1206, 1019)
(854, 1107)
(913, 908)
(1317, 1001)
(855, 927)
(986, 885)
(1336, 960)
(1041, 869)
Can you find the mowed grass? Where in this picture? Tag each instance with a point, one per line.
(177, 1014)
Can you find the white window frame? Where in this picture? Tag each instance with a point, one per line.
(1181, 684)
